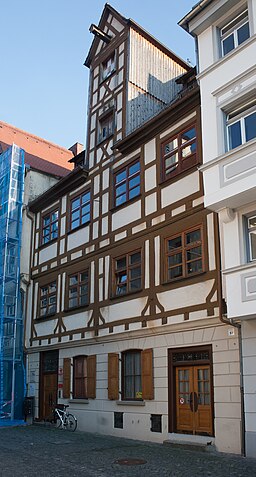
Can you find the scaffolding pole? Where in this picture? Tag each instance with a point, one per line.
(12, 172)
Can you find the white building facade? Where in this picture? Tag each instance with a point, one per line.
(225, 32)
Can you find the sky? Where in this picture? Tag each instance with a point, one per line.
(43, 45)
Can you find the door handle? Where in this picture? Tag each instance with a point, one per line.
(195, 402)
(191, 401)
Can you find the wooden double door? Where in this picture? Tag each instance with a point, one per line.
(191, 391)
(48, 383)
(193, 399)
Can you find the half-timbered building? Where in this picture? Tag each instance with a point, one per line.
(124, 316)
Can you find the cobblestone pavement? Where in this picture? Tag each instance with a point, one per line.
(42, 451)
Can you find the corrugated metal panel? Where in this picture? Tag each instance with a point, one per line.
(151, 81)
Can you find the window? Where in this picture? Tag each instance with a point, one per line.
(80, 210)
(106, 127)
(50, 225)
(80, 377)
(179, 152)
(184, 254)
(132, 383)
(128, 273)
(251, 227)
(241, 125)
(127, 183)
(78, 289)
(234, 33)
(108, 67)
(48, 299)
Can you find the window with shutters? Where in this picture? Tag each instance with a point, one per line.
(131, 375)
(80, 377)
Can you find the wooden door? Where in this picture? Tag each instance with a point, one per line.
(50, 386)
(193, 399)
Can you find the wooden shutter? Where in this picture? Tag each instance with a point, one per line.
(91, 376)
(66, 377)
(147, 374)
(113, 376)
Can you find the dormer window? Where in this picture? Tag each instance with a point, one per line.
(234, 33)
(108, 67)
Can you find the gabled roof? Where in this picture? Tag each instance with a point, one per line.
(130, 23)
(40, 154)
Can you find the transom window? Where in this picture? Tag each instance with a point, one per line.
(179, 152)
(131, 382)
(48, 299)
(108, 67)
(241, 125)
(50, 225)
(184, 254)
(127, 183)
(80, 210)
(251, 224)
(78, 289)
(235, 33)
(80, 377)
(128, 273)
(106, 126)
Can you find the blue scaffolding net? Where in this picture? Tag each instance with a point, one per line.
(12, 172)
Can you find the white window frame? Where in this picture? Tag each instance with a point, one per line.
(236, 115)
(250, 231)
(237, 24)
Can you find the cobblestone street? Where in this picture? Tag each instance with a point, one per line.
(38, 450)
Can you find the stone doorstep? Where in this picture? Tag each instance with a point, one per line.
(199, 443)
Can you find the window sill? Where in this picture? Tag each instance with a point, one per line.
(130, 403)
(170, 282)
(79, 401)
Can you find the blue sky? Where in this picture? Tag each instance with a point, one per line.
(43, 47)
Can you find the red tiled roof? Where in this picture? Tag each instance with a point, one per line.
(40, 154)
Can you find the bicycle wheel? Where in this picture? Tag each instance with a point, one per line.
(71, 422)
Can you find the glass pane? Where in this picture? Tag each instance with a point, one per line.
(75, 224)
(84, 276)
(243, 33)
(175, 272)
(44, 291)
(171, 163)
(52, 287)
(84, 290)
(195, 267)
(174, 243)
(170, 146)
(55, 216)
(121, 199)
(189, 150)
(128, 387)
(43, 302)
(120, 263)
(121, 277)
(174, 259)
(234, 135)
(134, 192)
(228, 44)
(73, 280)
(86, 209)
(250, 127)
(85, 218)
(137, 363)
(134, 182)
(135, 272)
(188, 135)
(252, 222)
(194, 236)
(52, 299)
(52, 309)
(121, 289)
(75, 215)
(135, 284)
(121, 189)
(72, 302)
(135, 258)
(84, 299)
(42, 311)
(46, 220)
(134, 168)
(54, 226)
(121, 176)
(128, 363)
(46, 231)
(72, 292)
(252, 236)
(75, 203)
(86, 197)
(194, 253)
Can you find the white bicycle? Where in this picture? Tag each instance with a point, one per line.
(63, 418)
